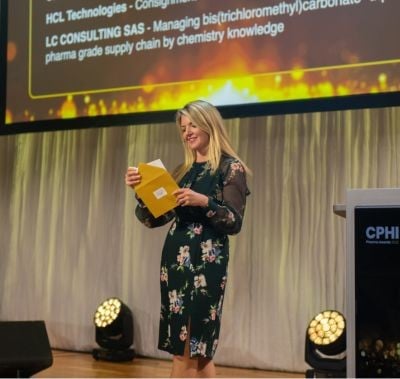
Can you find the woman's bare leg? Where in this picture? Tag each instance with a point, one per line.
(206, 368)
(182, 365)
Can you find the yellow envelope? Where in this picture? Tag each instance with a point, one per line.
(156, 189)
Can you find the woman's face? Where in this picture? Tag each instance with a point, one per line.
(196, 138)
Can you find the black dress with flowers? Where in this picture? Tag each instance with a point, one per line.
(195, 257)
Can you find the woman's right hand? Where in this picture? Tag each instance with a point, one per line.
(132, 177)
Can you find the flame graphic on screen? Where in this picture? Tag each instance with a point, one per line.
(297, 83)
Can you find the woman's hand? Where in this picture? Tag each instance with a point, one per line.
(186, 197)
(132, 177)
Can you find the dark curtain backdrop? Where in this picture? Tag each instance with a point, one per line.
(69, 238)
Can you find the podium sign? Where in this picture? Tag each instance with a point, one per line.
(377, 291)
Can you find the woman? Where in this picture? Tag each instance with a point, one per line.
(210, 206)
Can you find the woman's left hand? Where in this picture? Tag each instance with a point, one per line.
(186, 197)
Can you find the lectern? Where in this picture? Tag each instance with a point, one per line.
(372, 282)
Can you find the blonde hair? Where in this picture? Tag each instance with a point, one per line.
(208, 119)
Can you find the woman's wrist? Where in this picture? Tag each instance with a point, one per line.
(206, 201)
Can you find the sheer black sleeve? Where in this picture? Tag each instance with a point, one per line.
(226, 216)
(146, 218)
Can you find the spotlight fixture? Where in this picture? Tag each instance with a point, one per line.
(325, 348)
(113, 321)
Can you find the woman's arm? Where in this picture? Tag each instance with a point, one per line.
(227, 216)
(145, 217)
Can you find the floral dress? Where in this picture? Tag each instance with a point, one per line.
(195, 257)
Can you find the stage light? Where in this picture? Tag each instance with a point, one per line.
(113, 321)
(325, 348)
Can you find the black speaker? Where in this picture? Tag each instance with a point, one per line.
(24, 348)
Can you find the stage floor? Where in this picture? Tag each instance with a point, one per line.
(68, 364)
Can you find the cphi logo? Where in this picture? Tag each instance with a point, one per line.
(383, 234)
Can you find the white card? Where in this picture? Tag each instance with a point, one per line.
(159, 193)
(157, 163)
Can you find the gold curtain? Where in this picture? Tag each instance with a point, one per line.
(69, 238)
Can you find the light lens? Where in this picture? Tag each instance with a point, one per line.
(107, 312)
(326, 327)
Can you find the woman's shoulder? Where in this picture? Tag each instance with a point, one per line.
(228, 162)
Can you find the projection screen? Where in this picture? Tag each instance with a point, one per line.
(72, 59)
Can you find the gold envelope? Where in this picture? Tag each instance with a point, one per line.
(156, 189)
